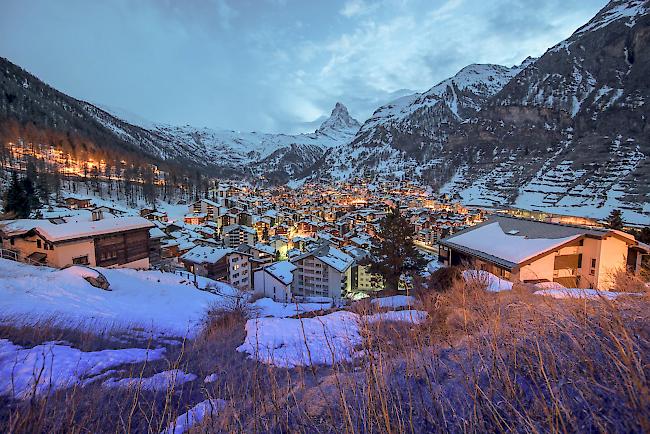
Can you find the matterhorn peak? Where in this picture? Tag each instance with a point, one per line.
(339, 121)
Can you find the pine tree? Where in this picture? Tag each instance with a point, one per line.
(394, 253)
(16, 203)
(615, 219)
(31, 198)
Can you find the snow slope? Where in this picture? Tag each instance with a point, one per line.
(163, 303)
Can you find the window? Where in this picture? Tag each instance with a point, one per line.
(593, 262)
(80, 260)
(38, 243)
(580, 260)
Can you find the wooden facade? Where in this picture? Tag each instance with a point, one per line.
(122, 247)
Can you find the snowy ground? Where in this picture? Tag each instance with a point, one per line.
(52, 366)
(581, 293)
(394, 301)
(163, 303)
(322, 340)
(266, 307)
(491, 282)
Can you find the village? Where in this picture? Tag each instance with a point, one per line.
(315, 242)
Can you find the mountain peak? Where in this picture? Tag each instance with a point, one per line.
(339, 121)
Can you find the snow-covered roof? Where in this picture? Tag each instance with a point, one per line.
(330, 256)
(264, 248)
(514, 245)
(76, 229)
(205, 254)
(156, 232)
(282, 271)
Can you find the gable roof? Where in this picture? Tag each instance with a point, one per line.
(57, 232)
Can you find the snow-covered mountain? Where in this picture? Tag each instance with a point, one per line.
(567, 132)
(32, 110)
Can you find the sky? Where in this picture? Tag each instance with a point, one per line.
(270, 65)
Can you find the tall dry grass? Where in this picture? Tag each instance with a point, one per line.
(482, 362)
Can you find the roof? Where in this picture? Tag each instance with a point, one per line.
(205, 254)
(76, 229)
(282, 271)
(509, 241)
(230, 228)
(330, 256)
(156, 232)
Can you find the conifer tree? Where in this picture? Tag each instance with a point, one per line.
(615, 219)
(16, 203)
(394, 253)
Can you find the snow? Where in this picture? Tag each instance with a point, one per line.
(283, 271)
(206, 254)
(491, 239)
(266, 307)
(211, 378)
(62, 366)
(322, 340)
(159, 302)
(434, 265)
(194, 416)
(337, 259)
(160, 382)
(549, 285)
(581, 293)
(394, 301)
(287, 342)
(409, 316)
(493, 283)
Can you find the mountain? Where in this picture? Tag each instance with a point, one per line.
(33, 111)
(567, 132)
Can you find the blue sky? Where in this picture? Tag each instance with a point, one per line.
(270, 65)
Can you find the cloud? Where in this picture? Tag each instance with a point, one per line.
(273, 65)
(353, 8)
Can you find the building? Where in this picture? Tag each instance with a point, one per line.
(235, 235)
(323, 272)
(274, 281)
(210, 208)
(106, 242)
(532, 251)
(226, 265)
(361, 277)
(195, 218)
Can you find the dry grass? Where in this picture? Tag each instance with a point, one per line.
(507, 362)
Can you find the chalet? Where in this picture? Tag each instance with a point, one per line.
(110, 242)
(76, 203)
(533, 251)
(323, 272)
(157, 216)
(274, 281)
(226, 265)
